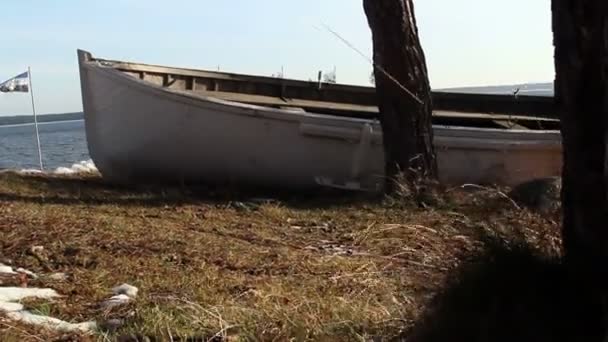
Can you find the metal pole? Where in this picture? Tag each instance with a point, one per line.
(29, 74)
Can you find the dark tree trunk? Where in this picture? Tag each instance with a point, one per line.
(580, 29)
(405, 119)
(581, 92)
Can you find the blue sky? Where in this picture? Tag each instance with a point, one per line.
(467, 42)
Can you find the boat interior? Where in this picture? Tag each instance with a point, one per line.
(449, 109)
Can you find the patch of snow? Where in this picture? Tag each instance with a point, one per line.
(10, 307)
(27, 317)
(123, 294)
(28, 272)
(58, 276)
(16, 312)
(14, 294)
(116, 300)
(126, 289)
(4, 269)
(10, 296)
(86, 166)
(29, 171)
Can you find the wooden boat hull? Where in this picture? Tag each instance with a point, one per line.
(140, 132)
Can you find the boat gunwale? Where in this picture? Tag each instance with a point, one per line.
(438, 95)
(157, 68)
(238, 108)
(191, 98)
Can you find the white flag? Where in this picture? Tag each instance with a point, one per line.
(19, 83)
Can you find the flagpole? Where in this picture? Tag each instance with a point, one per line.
(29, 74)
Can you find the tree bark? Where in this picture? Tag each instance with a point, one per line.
(405, 119)
(580, 30)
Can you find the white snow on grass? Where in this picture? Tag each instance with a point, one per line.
(30, 171)
(60, 276)
(29, 273)
(123, 294)
(86, 166)
(10, 305)
(115, 301)
(15, 294)
(15, 311)
(27, 317)
(5, 269)
(126, 289)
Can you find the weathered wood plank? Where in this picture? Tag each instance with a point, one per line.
(537, 106)
(371, 110)
(342, 97)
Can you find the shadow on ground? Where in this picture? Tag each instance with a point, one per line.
(511, 293)
(93, 190)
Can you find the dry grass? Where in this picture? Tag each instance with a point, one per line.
(230, 267)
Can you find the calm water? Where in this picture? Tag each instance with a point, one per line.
(63, 144)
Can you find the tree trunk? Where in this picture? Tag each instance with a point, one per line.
(580, 30)
(405, 119)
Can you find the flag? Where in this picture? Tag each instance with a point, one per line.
(19, 83)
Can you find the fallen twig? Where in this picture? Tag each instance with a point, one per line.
(498, 192)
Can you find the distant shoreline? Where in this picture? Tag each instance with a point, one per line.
(29, 119)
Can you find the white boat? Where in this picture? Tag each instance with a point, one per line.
(147, 123)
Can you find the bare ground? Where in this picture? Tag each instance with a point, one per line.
(216, 266)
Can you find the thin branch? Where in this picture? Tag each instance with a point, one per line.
(373, 64)
(500, 193)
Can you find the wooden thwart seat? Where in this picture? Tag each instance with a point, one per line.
(502, 120)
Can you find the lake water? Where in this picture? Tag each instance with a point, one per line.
(63, 144)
